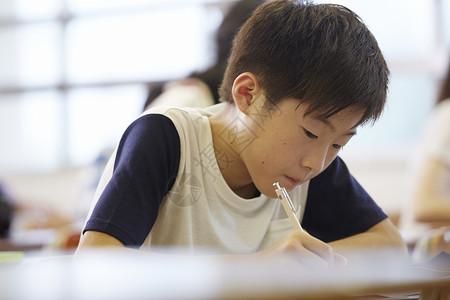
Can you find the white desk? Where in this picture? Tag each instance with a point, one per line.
(118, 275)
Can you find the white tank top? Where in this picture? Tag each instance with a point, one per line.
(201, 212)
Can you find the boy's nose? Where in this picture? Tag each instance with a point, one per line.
(314, 161)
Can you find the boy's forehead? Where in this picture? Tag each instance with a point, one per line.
(306, 109)
(323, 114)
(326, 118)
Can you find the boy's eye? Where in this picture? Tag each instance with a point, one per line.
(338, 147)
(310, 134)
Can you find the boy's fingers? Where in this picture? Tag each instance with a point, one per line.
(313, 262)
(320, 249)
(340, 260)
(304, 258)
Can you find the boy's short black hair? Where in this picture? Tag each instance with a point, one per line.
(321, 54)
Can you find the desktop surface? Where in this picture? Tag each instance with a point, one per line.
(113, 274)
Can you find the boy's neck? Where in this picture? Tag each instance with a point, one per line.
(229, 161)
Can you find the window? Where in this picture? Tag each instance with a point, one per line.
(75, 73)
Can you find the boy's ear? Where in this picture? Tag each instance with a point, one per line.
(245, 89)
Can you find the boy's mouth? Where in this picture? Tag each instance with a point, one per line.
(293, 181)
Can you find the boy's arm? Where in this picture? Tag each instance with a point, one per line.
(127, 200)
(298, 247)
(382, 236)
(92, 239)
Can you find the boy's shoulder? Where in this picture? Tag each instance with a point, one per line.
(184, 112)
(187, 120)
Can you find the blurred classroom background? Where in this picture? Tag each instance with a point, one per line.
(75, 73)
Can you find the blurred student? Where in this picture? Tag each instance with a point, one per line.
(201, 89)
(431, 181)
(300, 80)
(6, 213)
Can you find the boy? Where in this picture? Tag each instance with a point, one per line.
(300, 79)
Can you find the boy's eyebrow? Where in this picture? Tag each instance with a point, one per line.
(328, 124)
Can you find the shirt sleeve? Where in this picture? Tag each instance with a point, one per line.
(337, 205)
(145, 168)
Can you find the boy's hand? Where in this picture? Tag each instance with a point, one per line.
(302, 248)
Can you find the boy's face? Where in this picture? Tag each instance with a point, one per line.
(292, 148)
